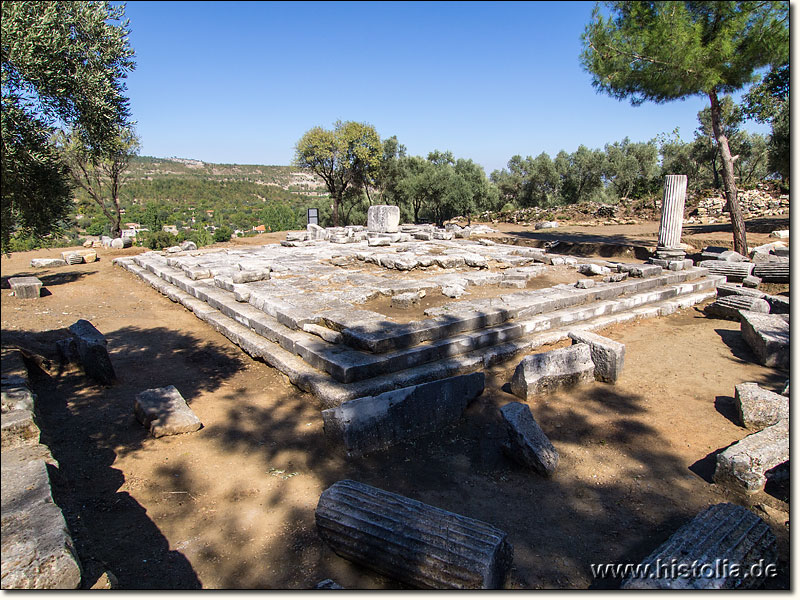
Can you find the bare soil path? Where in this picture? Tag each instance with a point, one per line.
(232, 506)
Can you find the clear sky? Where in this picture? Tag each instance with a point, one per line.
(240, 82)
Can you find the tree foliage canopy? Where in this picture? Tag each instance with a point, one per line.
(346, 157)
(63, 65)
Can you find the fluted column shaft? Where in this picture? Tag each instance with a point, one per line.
(669, 232)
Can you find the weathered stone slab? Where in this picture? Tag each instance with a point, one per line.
(406, 300)
(44, 263)
(164, 412)
(527, 443)
(18, 428)
(250, 276)
(759, 408)
(728, 307)
(608, 356)
(89, 347)
(768, 337)
(548, 371)
(383, 218)
(593, 269)
(414, 543)
(17, 396)
(37, 551)
(375, 422)
(743, 466)
(693, 557)
(640, 270)
(25, 287)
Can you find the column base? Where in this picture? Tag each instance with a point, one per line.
(669, 253)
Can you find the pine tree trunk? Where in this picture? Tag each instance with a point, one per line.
(737, 220)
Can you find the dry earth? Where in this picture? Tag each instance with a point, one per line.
(232, 506)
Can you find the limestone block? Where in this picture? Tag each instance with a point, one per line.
(90, 347)
(782, 234)
(442, 235)
(767, 336)
(527, 443)
(731, 256)
(383, 218)
(593, 269)
(640, 270)
(16, 396)
(44, 263)
(315, 232)
(449, 261)
(743, 466)
(608, 356)
(548, 371)
(453, 291)
(173, 249)
(416, 544)
(476, 260)
(37, 550)
(371, 423)
(379, 241)
(584, 284)
(25, 287)
(164, 412)
(188, 245)
(250, 276)
(751, 281)
(406, 300)
(546, 225)
(759, 408)
(721, 534)
(18, 428)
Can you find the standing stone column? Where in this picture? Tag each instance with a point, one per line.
(669, 232)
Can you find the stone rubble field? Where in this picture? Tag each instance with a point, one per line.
(428, 372)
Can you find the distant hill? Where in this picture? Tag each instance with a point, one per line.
(292, 179)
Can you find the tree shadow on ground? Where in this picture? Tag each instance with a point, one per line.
(761, 225)
(584, 244)
(87, 426)
(54, 279)
(558, 526)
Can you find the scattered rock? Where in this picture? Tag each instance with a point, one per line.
(548, 371)
(527, 443)
(768, 337)
(164, 412)
(759, 408)
(608, 356)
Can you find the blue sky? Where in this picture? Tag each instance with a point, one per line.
(240, 82)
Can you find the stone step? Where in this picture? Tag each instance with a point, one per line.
(348, 365)
(332, 393)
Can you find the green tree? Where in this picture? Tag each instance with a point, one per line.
(63, 63)
(663, 51)
(345, 157)
(223, 234)
(768, 102)
(101, 176)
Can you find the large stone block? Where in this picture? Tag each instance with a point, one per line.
(549, 371)
(701, 553)
(25, 287)
(744, 465)
(18, 428)
(768, 337)
(608, 356)
(383, 219)
(90, 348)
(37, 550)
(527, 443)
(759, 408)
(367, 424)
(44, 263)
(414, 543)
(164, 412)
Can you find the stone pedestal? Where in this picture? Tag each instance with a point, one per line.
(25, 287)
(669, 232)
(383, 218)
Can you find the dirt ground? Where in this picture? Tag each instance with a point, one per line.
(232, 506)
